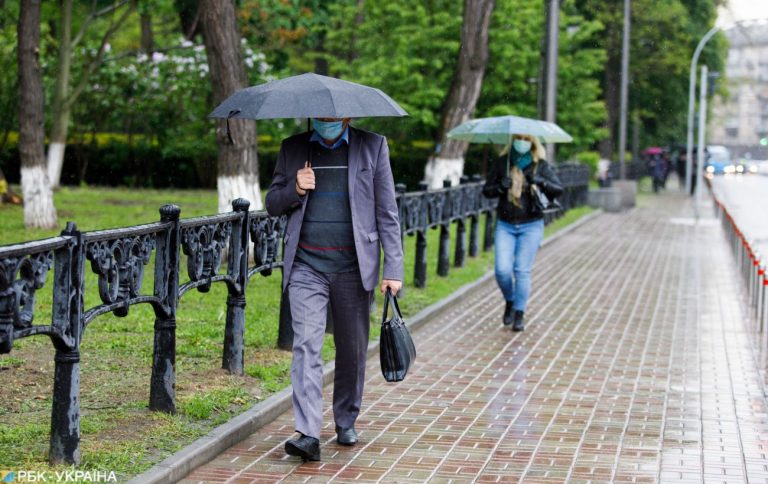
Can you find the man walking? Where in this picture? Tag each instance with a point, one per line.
(335, 183)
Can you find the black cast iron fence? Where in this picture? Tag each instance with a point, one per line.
(118, 258)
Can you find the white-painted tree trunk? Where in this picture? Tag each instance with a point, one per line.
(55, 162)
(459, 105)
(39, 211)
(439, 169)
(238, 186)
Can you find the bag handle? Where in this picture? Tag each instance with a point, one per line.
(395, 307)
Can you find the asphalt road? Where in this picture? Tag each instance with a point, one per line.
(746, 197)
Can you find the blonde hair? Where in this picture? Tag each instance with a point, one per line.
(537, 150)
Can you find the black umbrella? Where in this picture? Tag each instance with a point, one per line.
(307, 96)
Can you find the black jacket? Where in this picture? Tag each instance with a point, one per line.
(545, 177)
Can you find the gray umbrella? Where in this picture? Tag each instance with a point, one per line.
(307, 96)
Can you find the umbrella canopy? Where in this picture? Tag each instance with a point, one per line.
(500, 129)
(307, 96)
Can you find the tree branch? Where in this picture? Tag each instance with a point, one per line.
(193, 27)
(110, 9)
(99, 56)
(93, 16)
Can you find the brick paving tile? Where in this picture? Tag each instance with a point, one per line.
(639, 363)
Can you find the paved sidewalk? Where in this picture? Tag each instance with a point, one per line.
(636, 365)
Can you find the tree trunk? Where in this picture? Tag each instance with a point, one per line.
(147, 36)
(461, 101)
(611, 86)
(352, 53)
(64, 98)
(39, 211)
(238, 168)
(58, 141)
(635, 136)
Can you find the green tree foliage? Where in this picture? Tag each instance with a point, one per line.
(9, 15)
(289, 32)
(580, 107)
(408, 49)
(663, 37)
(512, 78)
(405, 48)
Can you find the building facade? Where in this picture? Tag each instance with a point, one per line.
(739, 121)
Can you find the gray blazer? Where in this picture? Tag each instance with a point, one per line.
(375, 220)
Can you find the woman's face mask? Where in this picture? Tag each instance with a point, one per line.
(522, 146)
(329, 130)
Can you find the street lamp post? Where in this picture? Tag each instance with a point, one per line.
(691, 107)
(553, 43)
(624, 91)
(702, 139)
(692, 94)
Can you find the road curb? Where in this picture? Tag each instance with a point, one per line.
(206, 448)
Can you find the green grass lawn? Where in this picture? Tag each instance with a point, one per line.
(118, 432)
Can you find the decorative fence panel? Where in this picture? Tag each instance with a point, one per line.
(118, 258)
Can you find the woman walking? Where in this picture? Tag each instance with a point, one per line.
(519, 226)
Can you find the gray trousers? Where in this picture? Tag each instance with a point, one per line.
(310, 292)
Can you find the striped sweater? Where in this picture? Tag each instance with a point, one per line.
(327, 243)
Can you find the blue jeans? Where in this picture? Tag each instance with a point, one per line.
(516, 247)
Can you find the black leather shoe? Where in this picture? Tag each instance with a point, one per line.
(346, 436)
(308, 448)
(518, 325)
(508, 310)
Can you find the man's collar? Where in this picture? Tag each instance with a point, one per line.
(344, 138)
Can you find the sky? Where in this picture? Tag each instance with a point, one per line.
(742, 10)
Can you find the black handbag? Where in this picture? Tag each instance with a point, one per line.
(541, 203)
(396, 350)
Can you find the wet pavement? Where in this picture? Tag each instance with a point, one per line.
(636, 365)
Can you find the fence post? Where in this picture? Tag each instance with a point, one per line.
(764, 300)
(755, 280)
(488, 239)
(420, 258)
(162, 392)
(461, 228)
(420, 262)
(443, 259)
(67, 313)
(234, 331)
(761, 290)
(474, 218)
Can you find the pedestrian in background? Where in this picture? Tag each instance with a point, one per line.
(519, 225)
(335, 183)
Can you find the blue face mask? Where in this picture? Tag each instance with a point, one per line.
(329, 130)
(522, 146)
